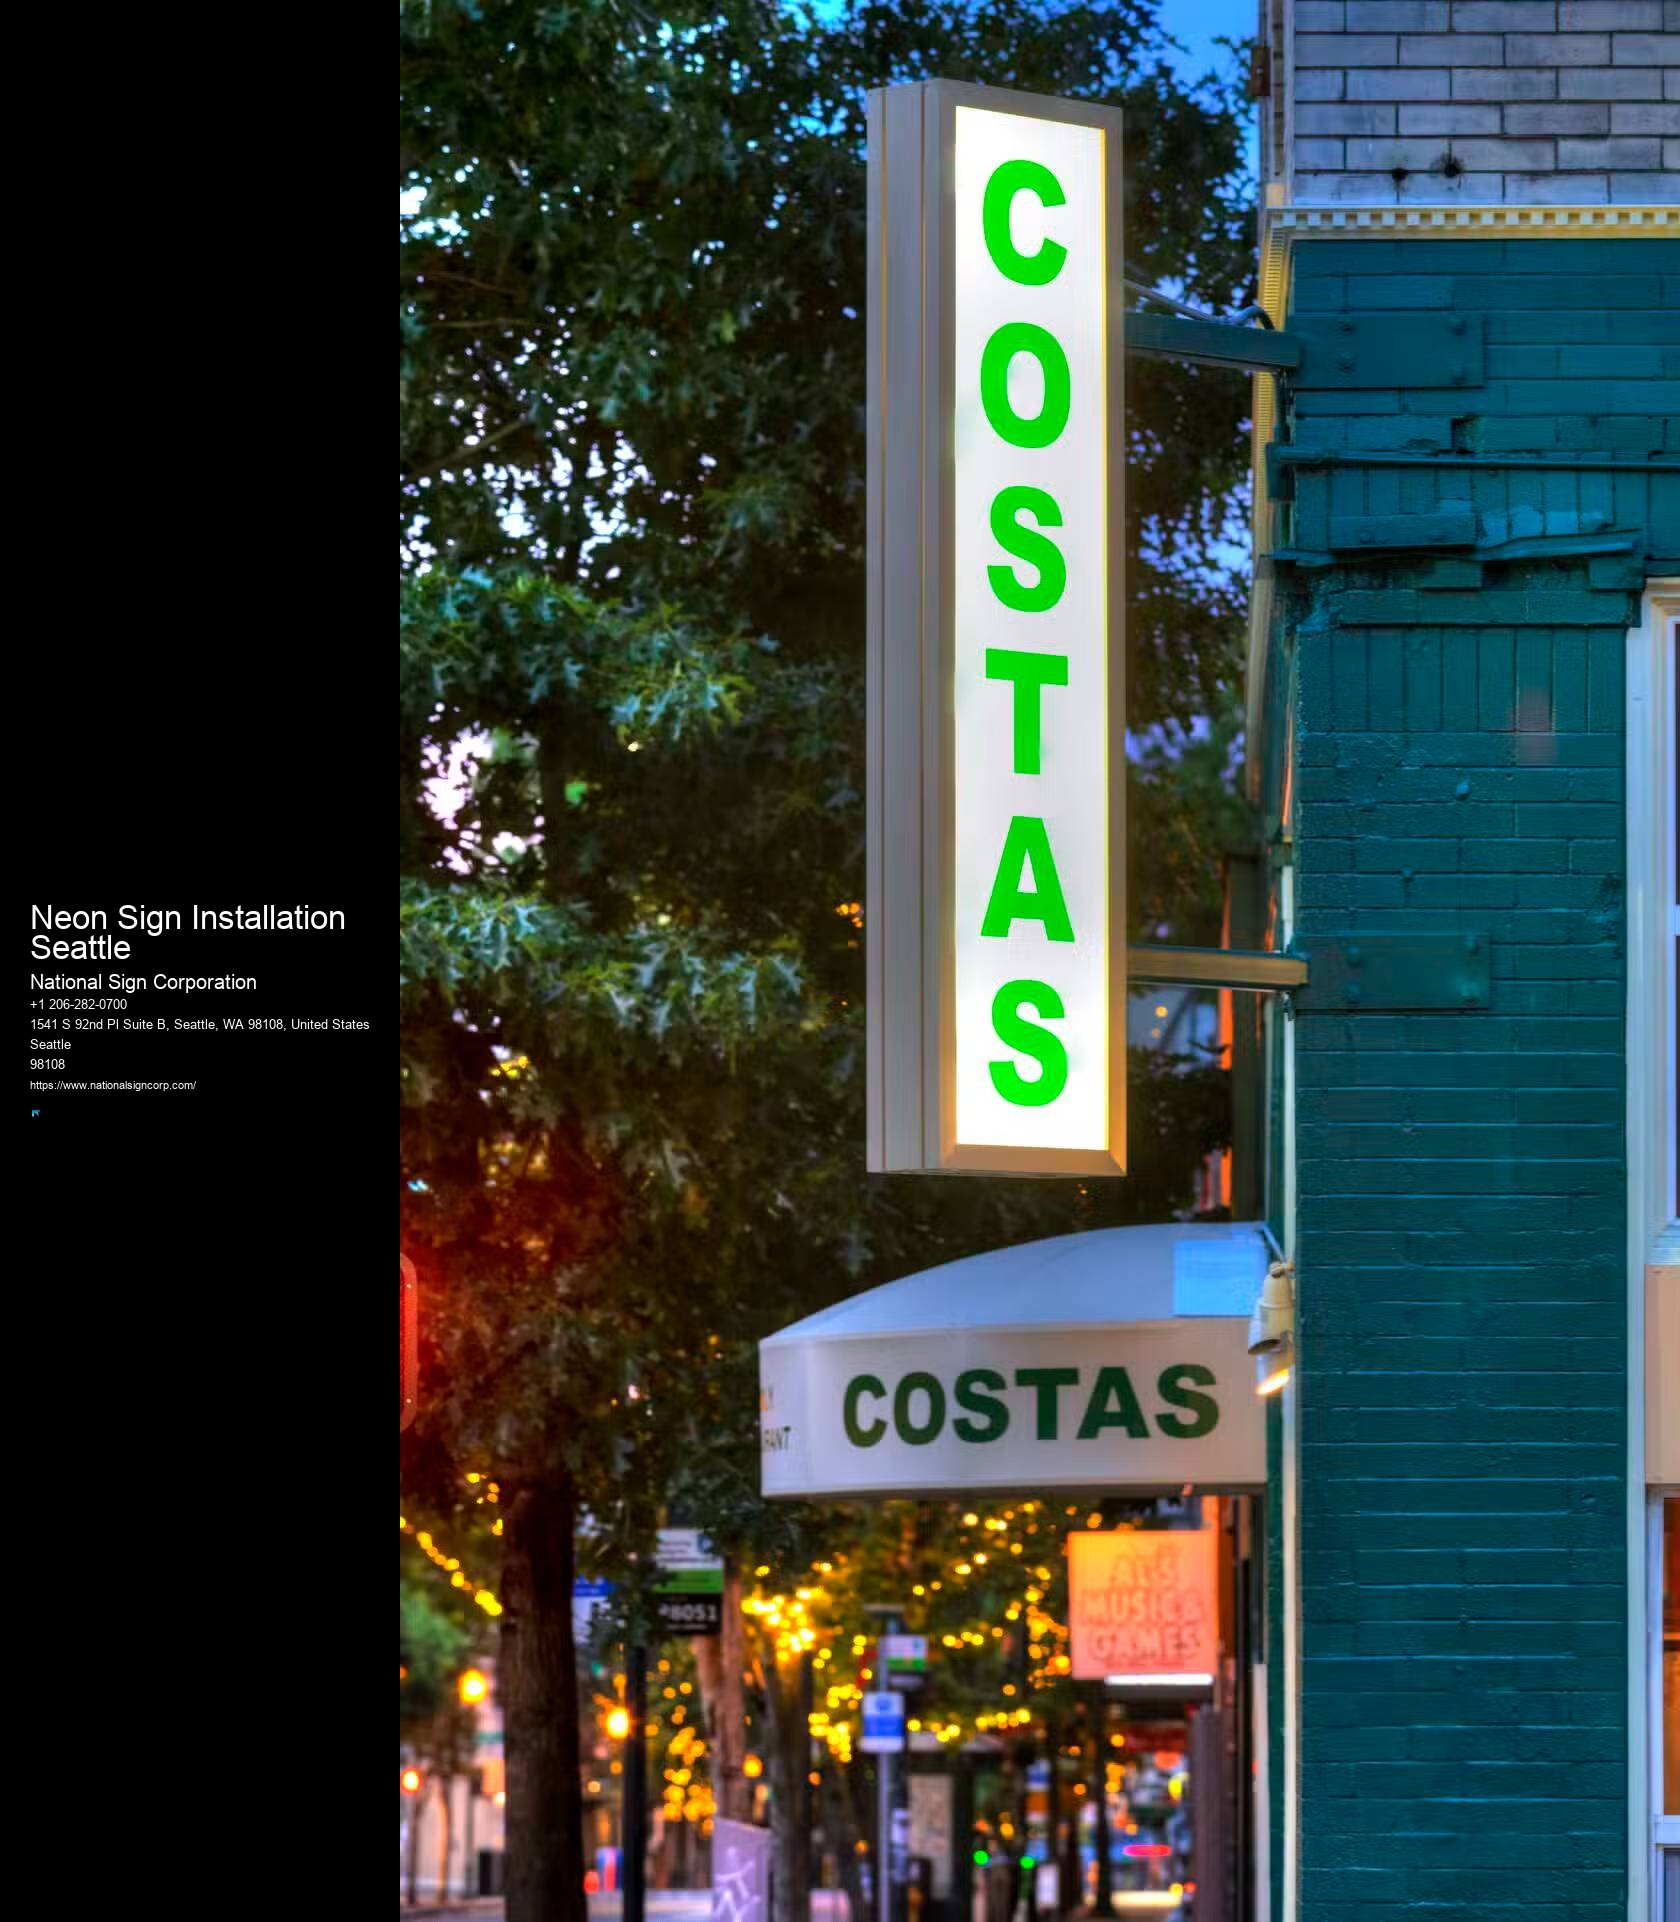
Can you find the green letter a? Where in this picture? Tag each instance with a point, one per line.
(1027, 841)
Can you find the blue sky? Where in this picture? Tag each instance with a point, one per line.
(1198, 23)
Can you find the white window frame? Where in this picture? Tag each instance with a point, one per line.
(1665, 1829)
(1651, 1040)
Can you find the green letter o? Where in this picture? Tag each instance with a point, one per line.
(1023, 337)
(929, 1430)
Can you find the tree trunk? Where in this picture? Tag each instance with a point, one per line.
(841, 1825)
(1099, 1790)
(444, 1783)
(720, 1661)
(1065, 1805)
(790, 1854)
(414, 1854)
(538, 1682)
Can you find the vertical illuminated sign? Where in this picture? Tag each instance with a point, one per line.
(995, 918)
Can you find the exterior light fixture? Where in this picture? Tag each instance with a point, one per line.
(1271, 1329)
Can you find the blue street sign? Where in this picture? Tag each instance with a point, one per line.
(883, 1724)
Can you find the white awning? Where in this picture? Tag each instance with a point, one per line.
(1113, 1360)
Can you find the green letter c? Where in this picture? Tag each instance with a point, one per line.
(1012, 178)
(856, 1433)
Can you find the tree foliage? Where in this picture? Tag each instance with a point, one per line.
(631, 535)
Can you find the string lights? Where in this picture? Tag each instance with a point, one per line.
(1017, 1548)
(451, 1566)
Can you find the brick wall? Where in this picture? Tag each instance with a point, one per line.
(1462, 1264)
(1472, 102)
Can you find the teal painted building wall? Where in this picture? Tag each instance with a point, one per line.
(1461, 1243)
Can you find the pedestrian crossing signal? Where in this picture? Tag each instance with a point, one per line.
(409, 1383)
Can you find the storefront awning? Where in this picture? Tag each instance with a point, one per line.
(1115, 1360)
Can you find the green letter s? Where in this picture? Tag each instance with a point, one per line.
(996, 1413)
(1027, 1038)
(1029, 545)
(1012, 178)
(1204, 1410)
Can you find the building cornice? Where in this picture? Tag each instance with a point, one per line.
(1477, 222)
(1280, 228)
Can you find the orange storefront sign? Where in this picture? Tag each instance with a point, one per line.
(1144, 1605)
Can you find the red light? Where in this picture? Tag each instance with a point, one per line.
(408, 1369)
(1146, 1849)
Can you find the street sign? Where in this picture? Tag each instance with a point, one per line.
(408, 1360)
(689, 1595)
(883, 1723)
(589, 1597)
(1143, 1606)
(904, 1661)
(995, 920)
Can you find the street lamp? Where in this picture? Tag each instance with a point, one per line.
(618, 1723)
(474, 1687)
(412, 1781)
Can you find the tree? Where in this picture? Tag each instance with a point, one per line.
(630, 756)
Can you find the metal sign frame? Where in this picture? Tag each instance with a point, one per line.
(910, 922)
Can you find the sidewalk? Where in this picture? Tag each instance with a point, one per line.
(667, 1905)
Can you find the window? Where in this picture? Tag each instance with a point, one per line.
(1666, 1711)
(1671, 1657)
(1653, 1043)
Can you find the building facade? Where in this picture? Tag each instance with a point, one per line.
(1462, 696)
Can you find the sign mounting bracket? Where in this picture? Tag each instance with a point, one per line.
(1254, 971)
(1211, 343)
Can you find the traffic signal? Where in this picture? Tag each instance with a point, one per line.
(409, 1372)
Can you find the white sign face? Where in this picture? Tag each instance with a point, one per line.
(1030, 590)
(682, 1549)
(1148, 1406)
(740, 1872)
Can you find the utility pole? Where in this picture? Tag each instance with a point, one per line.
(892, 1775)
(635, 1784)
(1022, 1666)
